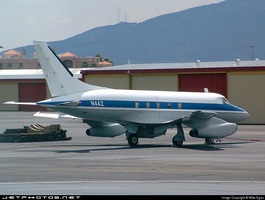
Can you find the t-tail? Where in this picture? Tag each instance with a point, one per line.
(59, 78)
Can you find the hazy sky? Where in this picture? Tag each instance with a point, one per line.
(25, 20)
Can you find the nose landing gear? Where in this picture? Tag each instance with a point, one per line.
(179, 138)
(211, 140)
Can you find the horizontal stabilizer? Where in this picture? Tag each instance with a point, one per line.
(54, 115)
(21, 103)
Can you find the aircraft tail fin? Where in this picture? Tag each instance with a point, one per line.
(59, 78)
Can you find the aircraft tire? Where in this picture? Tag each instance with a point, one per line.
(209, 141)
(88, 132)
(176, 142)
(179, 143)
(132, 139)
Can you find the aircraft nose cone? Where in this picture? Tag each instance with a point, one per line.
(245, 115)
(242, 116)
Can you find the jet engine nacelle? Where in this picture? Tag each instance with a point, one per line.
(111, 130)
(214, 131)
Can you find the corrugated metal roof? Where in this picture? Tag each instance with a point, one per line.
(30, 73)
(191, 65)
(38, 74)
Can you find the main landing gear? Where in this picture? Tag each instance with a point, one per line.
(132, 139)
(179, 138)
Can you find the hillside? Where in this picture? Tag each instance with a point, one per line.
(215, 32)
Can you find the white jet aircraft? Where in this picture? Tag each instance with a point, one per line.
(135, 113)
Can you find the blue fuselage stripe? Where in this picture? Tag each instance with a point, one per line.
(143, 104)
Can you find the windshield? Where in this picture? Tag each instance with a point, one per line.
(225, 101)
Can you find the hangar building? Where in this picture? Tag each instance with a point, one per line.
(241, 82)
(25, 85)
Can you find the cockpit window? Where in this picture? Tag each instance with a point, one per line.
(225, 101)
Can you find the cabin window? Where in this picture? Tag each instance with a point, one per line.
(157, 105)
(147, 104)
(169, 105)
(179, 105)
(136, 104)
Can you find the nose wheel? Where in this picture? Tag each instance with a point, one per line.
(209, 141)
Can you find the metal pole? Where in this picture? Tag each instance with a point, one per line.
(252, 50)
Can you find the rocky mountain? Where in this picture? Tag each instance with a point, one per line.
(215, 32)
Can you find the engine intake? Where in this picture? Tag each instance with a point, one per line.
(214, 131)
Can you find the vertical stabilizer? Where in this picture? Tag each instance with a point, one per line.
(59, 78)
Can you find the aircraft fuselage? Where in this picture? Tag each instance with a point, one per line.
(140, 106)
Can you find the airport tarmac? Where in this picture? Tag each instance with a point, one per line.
(108, 166)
